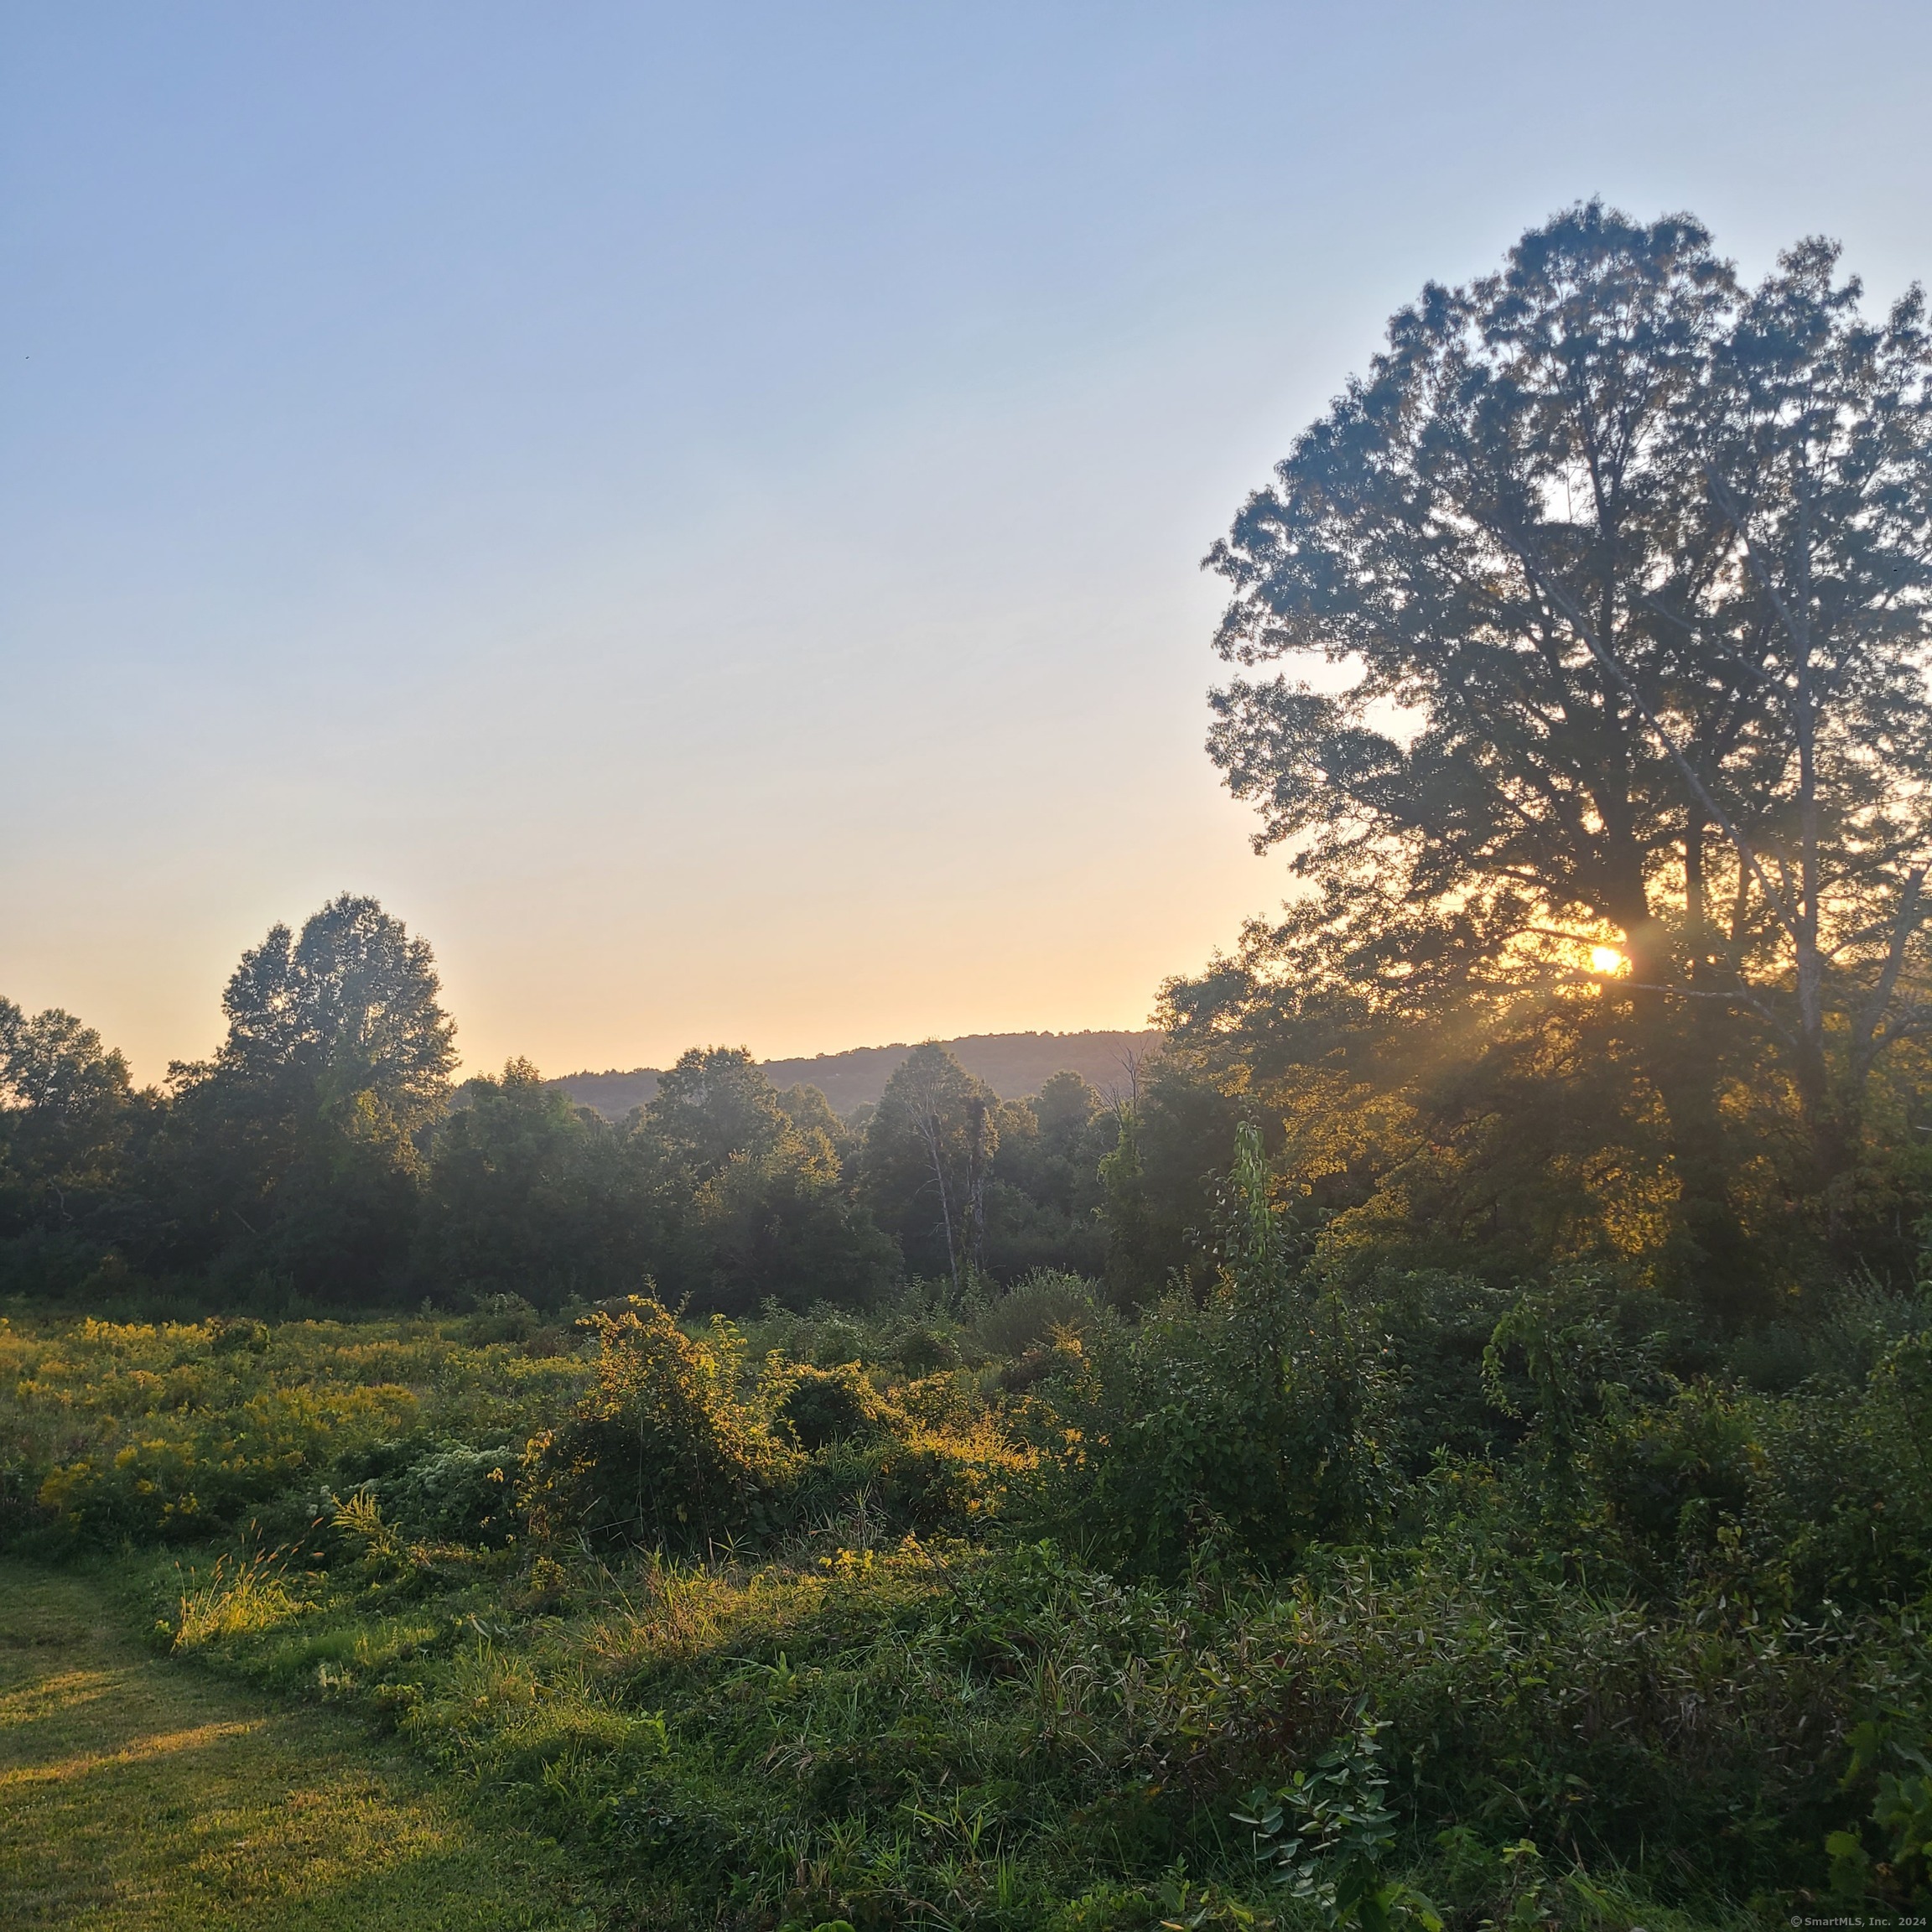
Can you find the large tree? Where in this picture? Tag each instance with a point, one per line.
(67, 1114)
(1618, 570)
(299, 1147)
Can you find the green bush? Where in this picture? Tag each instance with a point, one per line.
(839, 1340)
(924, 1350)
(1254, 1424)
(458, 1493)
(662, 1449)
(827, 1406)
(503, 1317)
(1026, 1315)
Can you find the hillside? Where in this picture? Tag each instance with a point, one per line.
(1011, 1064)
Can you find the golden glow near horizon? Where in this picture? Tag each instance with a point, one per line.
(1607, 959)
(783, 627)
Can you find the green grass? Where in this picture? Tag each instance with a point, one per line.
(139, 1794)
(1622, 1673)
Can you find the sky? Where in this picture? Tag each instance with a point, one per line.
(698, 509)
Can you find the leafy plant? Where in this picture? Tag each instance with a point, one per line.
(1252, 1423)
(662, 1449)
(1901, 1814)
(1328, 1834)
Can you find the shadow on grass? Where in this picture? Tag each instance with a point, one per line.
(136, 1795)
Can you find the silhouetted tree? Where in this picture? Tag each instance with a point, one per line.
(527, 1194)
(70, 1129)
(929, 1150)
(297, 1149)
(1621, 571)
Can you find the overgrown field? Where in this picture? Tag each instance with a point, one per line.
(1427, 1604)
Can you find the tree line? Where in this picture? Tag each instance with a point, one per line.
(324, 1155)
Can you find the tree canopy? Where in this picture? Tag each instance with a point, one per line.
(1608, 585)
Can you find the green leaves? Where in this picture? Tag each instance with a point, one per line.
(1327, 1835)
(1901, 1814)
(662, 1449)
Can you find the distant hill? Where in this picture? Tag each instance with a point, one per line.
(1012, 1064)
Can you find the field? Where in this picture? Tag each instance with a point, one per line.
(399, 1585)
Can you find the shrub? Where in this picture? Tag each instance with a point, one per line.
(923, 1350)
(838, 1342)
(827, 1406)
(1840, 1507)
(503, 1317)
(1252, 1422)
(1026, 1315)
(456, 1493)
(238, 1335)
(929, 1479)
(661, 1450)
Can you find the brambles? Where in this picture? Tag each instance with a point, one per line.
(663, 1447)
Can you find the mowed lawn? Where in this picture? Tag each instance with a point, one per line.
(138, 1793)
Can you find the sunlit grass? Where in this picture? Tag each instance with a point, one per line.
(252, 1596)
(138, 1795)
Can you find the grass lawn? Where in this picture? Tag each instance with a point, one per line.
(137, 1793)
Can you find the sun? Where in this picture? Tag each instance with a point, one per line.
(1606, 960)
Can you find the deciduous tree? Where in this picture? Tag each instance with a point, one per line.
(296, 1150)
(1620, 570)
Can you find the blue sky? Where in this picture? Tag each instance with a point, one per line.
(698, 508)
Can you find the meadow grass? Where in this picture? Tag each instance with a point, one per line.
(1659, 1672)
(139, 1794)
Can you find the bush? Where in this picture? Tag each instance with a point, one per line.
(459, 1494)
(923, 1349)
(503, 1317)
(930, 1479)
(838, 1342)
(1027, 1314)
(1252, 1423)
(827, 1406)
(661, 1450)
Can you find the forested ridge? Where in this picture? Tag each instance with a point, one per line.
(1445, 1443)
(1012, 1064)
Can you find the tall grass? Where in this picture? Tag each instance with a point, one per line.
(238, 1600)
(1654, 1653)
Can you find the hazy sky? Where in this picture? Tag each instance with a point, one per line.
(697, 508)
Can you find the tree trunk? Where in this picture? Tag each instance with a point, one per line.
(931, 1132)
(1676, 1045)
